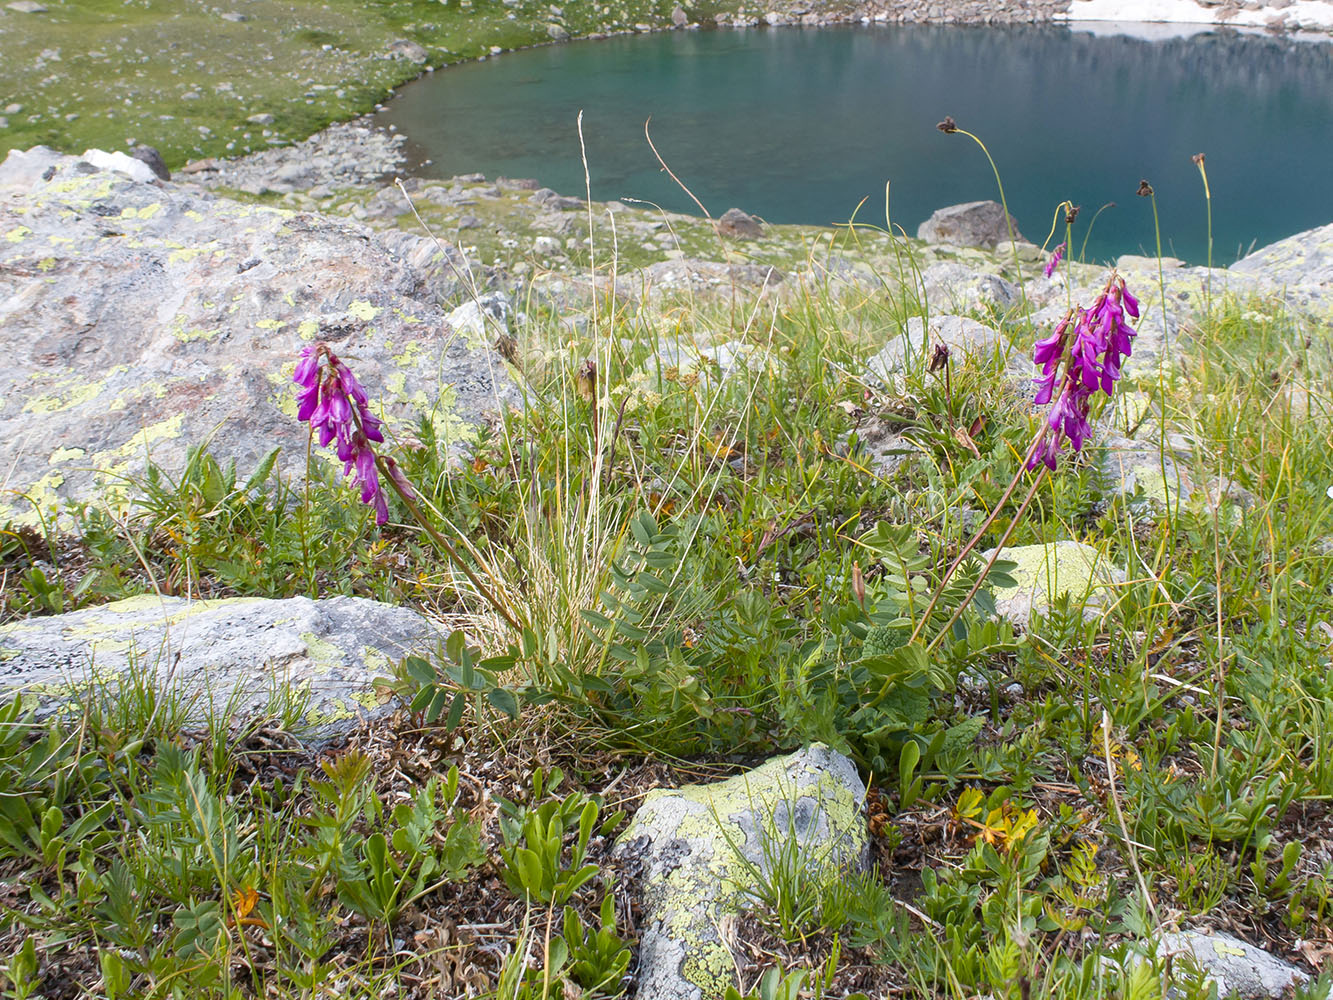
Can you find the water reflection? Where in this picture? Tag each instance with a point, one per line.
(801, 125)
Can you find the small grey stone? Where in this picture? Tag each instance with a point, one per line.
(26, 7)
(485, 317)
(1046, 572)
(678, 16)
(973, 224)
(697, 849)
(235, 16)
(404, 48)
(739, 225)
(557, 32)
(153, 158)
(263, 118)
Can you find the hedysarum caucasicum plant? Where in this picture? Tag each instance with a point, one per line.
(335, 405)
(1090, 345)
(1082, 356)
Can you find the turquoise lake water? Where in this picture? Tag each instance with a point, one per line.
(799, 125)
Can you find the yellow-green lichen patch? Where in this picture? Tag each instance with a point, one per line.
(160, 431)
(270, 324)
(363, 310)
(410, 355)
(40, 501)
(65, 455)
(332, 711)
(195, 333)
(323, 655)
(18, 233)
(186, 254)
(75, 396)
(308, 329)
(368, 700)
(1047, 572)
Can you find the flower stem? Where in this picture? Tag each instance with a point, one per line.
(976, 537)
(445, 545)
(985, 570)
(1208, 202)
(1008, 219)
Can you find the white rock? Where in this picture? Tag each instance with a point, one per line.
(121, 163)
(913, 346)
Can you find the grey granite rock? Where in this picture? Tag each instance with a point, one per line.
(739, 225)
(964, 337)
(952, 287)
(705, 276)
(139, 319)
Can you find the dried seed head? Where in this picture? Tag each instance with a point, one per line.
(585, 379)
(947, 126)
(1198, 159)
(940, 357)
(1145, 189)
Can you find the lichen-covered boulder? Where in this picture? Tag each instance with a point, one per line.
(1238, 969)
(137, 319)
(1044, 573)
(1300, 268)
(703, 276)
(697, 849)
(240, 659)
(951, 286)
(1132, 466)
(913, 347)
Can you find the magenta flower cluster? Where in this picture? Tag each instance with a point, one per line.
(1095, 343)
(1056, 256)
(338, 410)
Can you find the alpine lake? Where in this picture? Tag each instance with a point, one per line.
(814, 126)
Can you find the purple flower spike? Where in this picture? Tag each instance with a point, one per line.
(1054, 262)
(1101, 341)
(336, 406)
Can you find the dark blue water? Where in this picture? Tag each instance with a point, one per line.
(800, 125)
